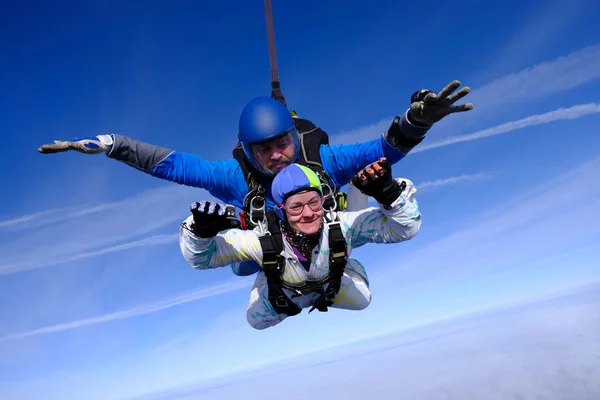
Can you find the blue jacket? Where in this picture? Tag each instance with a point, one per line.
(224, 179)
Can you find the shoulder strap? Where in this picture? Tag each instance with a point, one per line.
(272, 246)
(247, 168)
(338, 257)
(338, 250)
(311, 139)
(254, 187)
(273, 266)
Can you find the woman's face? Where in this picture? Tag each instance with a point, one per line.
(304, 212)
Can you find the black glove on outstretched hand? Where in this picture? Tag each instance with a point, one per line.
(427, 107)
(211, 218)
(376, 180)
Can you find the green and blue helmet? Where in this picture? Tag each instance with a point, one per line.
(293, 179)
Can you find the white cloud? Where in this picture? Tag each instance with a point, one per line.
(569, 113)
(528, 243)
(57, 215)
(436, 184)
(541, 349)
(536, 33)
(522, 228)
(31, 217)
(68, 234)
(540, 80)
(154, 240)
(367, 132)
(202, 293)
(452, 180)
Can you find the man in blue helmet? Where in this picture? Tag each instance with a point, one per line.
(270, 139)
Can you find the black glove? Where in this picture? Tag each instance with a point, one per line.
(211, 218)
(376, 181)
(427, 108)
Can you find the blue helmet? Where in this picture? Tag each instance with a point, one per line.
(262, 119)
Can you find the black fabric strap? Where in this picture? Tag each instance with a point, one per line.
(273, 266)
(338, 257)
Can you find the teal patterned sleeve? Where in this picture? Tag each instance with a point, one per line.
(377, 225)
(231, 246)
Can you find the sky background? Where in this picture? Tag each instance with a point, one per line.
(97, 301)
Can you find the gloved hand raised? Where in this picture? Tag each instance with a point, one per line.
(427, 108)
(90, 145)
(376, 181)
(211, 218)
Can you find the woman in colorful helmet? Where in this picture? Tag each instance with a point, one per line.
(306, 232)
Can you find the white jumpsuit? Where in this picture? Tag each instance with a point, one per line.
(371, 225)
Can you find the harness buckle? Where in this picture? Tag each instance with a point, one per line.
(280, 301)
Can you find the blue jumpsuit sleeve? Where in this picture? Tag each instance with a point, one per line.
(342, 162)
(223, 179)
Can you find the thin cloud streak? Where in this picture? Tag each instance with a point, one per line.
(56, 215)
(429, 185)
(29, 217)
(438, 183)
(543, 79)
(540, 80)
(535, 34)
(149, 241)
(569, 113)
(227, 287)
(527, 214)
(103, 228)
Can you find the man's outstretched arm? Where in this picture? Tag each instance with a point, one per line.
(342, 162)
(223, 179)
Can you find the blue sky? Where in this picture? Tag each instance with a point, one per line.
(97, 300)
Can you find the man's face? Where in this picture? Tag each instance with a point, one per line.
(275, 154)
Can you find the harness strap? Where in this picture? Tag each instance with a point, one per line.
(273, 266)
(338, 257)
